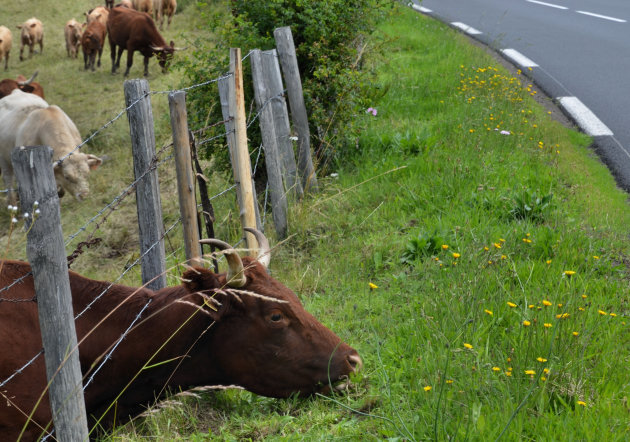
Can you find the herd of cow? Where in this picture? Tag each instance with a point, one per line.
(129, 24)
(27, 119)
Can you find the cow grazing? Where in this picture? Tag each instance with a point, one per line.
(136, 31)
(237, 328)
(32, 34)
(167, 8)
(6, 39)
(92, 43)
(143, 6)
(99, 14)
(28, 120)
(72, 32)
(9, 85)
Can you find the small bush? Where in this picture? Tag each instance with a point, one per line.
(530, 206)
(422, 246)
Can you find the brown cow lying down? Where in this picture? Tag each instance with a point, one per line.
(27, 120)
(237, 328)
(8, 85)
(136, 31)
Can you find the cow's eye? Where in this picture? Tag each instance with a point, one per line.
(276, 317)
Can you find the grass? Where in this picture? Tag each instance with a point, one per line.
(477, 327)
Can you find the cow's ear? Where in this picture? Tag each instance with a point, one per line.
(94, 161)
(199, 280)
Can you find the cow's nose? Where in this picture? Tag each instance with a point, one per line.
(355, 362)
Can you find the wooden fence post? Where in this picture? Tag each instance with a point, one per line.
(46, 253)
(288, 60)
(224, 96)
(185, 180)
(147, 189)
(282, 126)
(241, 153)
(272, 157)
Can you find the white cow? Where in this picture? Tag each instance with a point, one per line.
(28, 120)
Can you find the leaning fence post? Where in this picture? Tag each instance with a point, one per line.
(241, 153)
(272, 158)
(230, 135)
(288, 60)
(45, 251)
(185, 180)
(148, 201)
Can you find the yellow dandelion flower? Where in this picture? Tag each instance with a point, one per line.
(471, 130)
(468, 346)
(496, 369)
(503, 257)
(501, 240)
(575, 333)
(582, 403)
(584, 296)
(489, 262)
(581, 309)
(595, 257)
(509, 359)
(547, 325)
(488, 312)
(548, 261)
(373, 286)
(539, 359)
(511, 304)
(527, 240)
(527, 323)
(546, 370)
(569, 272)
(449, 381)
(497, 245)
(427, 388)
(613, 314)
(530, 372)
(508, 373)
(546, 303)
(486, 249)
(456, 255)
(601, 312)
(444, 246)
(531, 306)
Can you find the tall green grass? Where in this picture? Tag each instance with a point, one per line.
(499, 260)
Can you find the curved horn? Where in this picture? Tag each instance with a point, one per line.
(235, 274)
(264, 251)
(24, 83)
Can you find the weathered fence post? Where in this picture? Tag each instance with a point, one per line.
(147, 189)
(241, 153)
(46, 253)
(282, 126)
(288, 60)
(224, 96)
(185, 180)
(269, 139)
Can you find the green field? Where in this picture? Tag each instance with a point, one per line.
(472, 249)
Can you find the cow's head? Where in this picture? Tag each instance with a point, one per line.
(265, 340)
(164, 55)
(72, 173)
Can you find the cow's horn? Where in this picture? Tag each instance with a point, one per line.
(264, 251)
(235, 274)
(156, 48)
(24, 83)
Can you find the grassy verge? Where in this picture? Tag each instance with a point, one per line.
(498, 244)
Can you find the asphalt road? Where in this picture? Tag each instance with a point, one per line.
(579, 54)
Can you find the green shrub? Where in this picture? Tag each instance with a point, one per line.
(332, 39)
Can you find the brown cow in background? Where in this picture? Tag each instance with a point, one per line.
(241, 328)
(136, 31)
(92, 42)
(72, 31)
(9, 85)
(32, 34)
(6, 39)
(143, 6)
(164, 8)
(99, 14)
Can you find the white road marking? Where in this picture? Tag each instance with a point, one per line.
(467, 29)
(551, 5)
(518, 58)
(583, 116)
(605, 17)
(421, 9)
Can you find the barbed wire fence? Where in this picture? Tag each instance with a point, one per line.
(271, 113)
